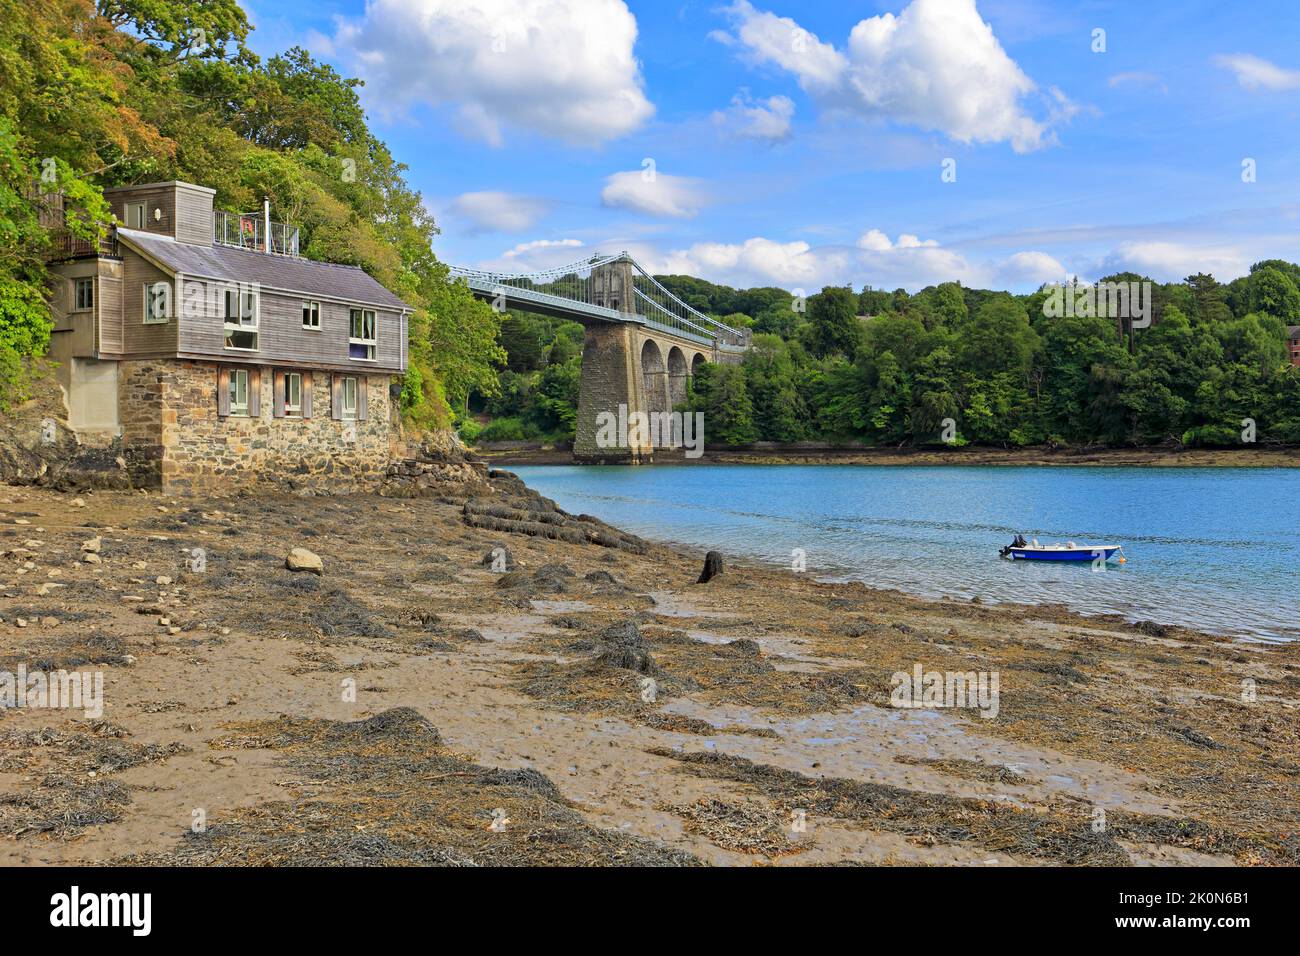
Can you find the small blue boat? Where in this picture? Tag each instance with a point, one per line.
(1023, 550)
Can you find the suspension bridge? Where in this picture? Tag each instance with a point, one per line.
(642, 344)
(603, 288)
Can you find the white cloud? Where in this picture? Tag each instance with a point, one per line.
(653, 192)
(495, 212)
(561, 68)
(1029, 269)
(1255, 73)
(1174, 261)
(1137, 78)
(527, 249)
(492, 211)
(936, 65)
(909, 262)
(767, 120)
(768, 38)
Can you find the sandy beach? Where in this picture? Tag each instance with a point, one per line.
(582, 700)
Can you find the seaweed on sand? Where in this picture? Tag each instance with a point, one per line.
(79, 794)
(385, 791)
(1060, 834)
(64, 651)
(742, 827)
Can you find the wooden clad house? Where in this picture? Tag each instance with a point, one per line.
(204, 345)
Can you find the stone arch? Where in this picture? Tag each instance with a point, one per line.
(677, 375)
(697, 363)
(655, 376)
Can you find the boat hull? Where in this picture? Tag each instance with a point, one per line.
(1062, 554)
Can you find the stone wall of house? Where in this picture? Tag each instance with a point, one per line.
(174, 438)
(139, 407)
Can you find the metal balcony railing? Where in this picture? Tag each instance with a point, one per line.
(247, 231)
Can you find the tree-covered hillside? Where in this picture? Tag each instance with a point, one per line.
(124, 91)
(888, 368)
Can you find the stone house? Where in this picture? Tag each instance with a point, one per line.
(203, 346)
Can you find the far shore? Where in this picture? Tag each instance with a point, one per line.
(1279, 456)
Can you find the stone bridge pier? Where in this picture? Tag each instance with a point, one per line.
(626, 368)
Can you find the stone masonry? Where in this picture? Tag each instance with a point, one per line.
(174, 439)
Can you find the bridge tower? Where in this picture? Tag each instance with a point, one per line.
(613, 381)
(611, 286)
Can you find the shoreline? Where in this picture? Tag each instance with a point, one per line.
(521, 694)
(1282, 457)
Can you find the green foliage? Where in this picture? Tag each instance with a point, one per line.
(719, 391)
(833, 327)
(123, 91)
(503, 429)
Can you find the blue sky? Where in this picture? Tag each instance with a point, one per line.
(803, 143)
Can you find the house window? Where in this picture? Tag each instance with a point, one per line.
(349, 397)
(311, 315)
(241, 319)
(135, 215)
(239, 391)
(293, 394)
(83, 295)
(361, 337)
(157, 303)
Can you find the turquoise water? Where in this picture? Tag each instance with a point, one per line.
(1213, 548)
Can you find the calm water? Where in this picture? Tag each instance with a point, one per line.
(1217, 549)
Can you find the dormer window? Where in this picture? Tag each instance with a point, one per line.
(362, 335)
(241, 308)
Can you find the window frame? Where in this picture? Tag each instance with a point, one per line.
(371, 344)
(149, 318)
(236, 409)
(143, 208)
(291, 409)
(78, 283)
(345, 413)
(311, 306)
(242, 323)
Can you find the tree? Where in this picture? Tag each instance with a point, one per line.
(522, 343)
(720, 392)
(1274, 292)
(833, 326)
(780, 413)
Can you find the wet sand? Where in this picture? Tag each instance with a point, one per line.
(591, 704)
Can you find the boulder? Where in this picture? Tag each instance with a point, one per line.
(499, 559)
(300, 559)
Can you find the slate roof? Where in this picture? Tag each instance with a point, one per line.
(305, 276)
(1293, 332)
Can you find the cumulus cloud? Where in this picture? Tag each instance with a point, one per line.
(909, 262)
(654, 193)
(1255, 73)
(561, 68)
(936, 66)
(1167, 261)
(765, 120)
(493, 211)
